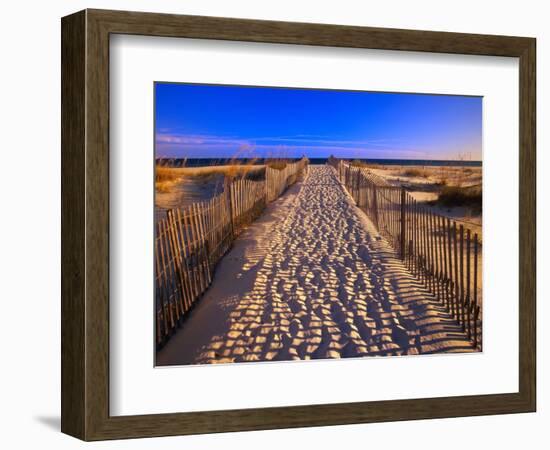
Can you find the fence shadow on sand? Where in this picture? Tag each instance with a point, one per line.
(312, 279)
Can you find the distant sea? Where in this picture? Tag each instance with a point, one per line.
(198, 162)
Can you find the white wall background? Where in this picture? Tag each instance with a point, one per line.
(30, 226)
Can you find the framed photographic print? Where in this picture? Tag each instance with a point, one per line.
(270, 224)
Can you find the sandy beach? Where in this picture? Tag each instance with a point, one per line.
(311, 278)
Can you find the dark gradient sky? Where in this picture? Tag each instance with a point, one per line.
(205, 121)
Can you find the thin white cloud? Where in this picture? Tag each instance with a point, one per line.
(173, 138)
(173, 143)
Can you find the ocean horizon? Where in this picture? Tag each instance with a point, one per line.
(200, 162)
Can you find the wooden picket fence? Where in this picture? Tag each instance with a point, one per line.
(445, 256)
(190, 241)
(276, 181)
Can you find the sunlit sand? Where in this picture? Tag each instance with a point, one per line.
(311, 279)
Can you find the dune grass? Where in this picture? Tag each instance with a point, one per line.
(415, 172)
(167, 177)
(229, 171)
(471, 197)
(278, 164)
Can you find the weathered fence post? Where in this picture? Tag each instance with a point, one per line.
(357, 186)
(375, 205)
(227, 190)
(403, 224)
(347, 176)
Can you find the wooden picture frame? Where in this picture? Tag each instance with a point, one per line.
(85, 224)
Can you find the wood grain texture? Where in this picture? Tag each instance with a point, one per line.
(527, 224)
(85, 224)
(73, 224)
(152, 24)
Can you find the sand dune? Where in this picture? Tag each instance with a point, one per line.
(425, 188)
(312, 279)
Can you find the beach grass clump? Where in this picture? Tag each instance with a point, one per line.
(165, 178)
(240, 171)
(278, 164)
(415, 172)
(229, 171)
(166, 174)
(471, 196)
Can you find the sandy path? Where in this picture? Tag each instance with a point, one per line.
(312, 279)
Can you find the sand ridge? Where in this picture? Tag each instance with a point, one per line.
(312, 279)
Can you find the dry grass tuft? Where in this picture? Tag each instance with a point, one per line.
(278, 164)
(415, 172)
(451, 196)
(166, 177)
(230, 171)
(166, 174)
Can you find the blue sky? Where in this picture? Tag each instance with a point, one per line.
(215, 121)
